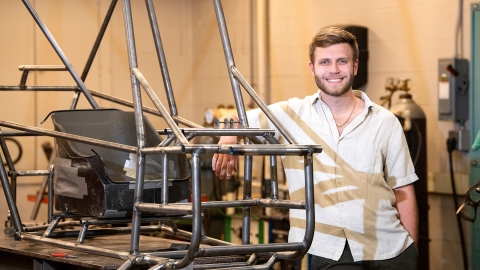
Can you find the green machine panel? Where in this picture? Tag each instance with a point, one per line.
(475, 125)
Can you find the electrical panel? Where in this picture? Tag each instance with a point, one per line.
(453, 84)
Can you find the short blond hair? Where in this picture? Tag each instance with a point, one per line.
(329, 36)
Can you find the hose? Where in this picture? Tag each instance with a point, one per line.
(451, 145)
(20, 150)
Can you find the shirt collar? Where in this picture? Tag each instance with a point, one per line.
(368, 103)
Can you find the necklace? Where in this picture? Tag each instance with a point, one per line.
(354, 103)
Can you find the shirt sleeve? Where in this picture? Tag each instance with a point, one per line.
(399, 170)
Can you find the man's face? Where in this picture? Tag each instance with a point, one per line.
(334, 69)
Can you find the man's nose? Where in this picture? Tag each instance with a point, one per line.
(334, 68)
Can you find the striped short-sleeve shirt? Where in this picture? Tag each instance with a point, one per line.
(354, 177)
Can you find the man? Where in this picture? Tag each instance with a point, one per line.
(365, 207)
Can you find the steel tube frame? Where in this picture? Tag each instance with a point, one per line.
(10, 197)
(72, 137)
(185, 258)
(11, 168)
(140, 128)
(158, 104)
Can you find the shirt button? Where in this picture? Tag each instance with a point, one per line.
(341, 205)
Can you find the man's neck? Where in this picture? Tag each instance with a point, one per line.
(340, 103)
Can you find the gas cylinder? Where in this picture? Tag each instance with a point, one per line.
(414, 123)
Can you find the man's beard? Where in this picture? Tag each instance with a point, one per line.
(342, 91)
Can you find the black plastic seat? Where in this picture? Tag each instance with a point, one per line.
(98, 181)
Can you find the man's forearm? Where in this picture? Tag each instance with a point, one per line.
(407, 209)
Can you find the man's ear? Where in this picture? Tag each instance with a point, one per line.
(355, 67)
(312, 68)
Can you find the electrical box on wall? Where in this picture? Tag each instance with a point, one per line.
(453, 83)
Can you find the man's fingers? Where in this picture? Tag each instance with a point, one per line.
(214, 162)
(233, 164)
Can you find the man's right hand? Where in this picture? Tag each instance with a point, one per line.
(225, 164)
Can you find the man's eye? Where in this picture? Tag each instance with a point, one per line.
(323, 62)
(343, 61)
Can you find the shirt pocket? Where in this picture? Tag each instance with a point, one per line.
(368, 159)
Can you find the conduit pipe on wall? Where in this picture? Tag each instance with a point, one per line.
(263, 87)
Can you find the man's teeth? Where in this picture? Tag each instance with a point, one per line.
(334, 80)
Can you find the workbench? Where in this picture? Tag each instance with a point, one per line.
(19, 255)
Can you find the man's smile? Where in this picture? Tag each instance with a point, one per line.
(334, 80)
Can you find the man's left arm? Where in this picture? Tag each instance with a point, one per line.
(407, 209)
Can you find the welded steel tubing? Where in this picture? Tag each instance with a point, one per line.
(59, 225)
(158, 104)
(227, 49)
(42, 68)
(309, 212)
(12, 206)
(31, 173)
(123, 102)
(246, 249)
(171, 209)
(43, 188)
(71, 137)
(226, 131)
(231, 265)
(50, 197)
(16, 134)
(128, 264)
(161, 58)
(73, 246)
(98, 232)
(138, 196)
(11, 168)
(309, 200)
(197, 213)
(188, 235)
(140, 126)
(247, 194)
(27, 68)
(60, 53)
(263, 106)
(270, 149)
(273, 178)
(186, 122)
(38, 88)
(82, 234)
(51, 227)
(125, 221)
(167, 141)
(109, 98)
(181, 149)
(201, 252)
(98, 40)
(255, 202)
(165, 166)
(292, 204)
